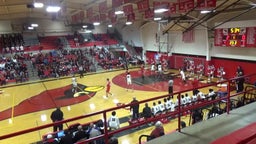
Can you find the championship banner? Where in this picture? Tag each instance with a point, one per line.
(173, 8)
(116, 3)
(157, 4)
(96, 18)
(190, 5)
(103, 17)
(143, 5)
(211, 3)
(89, 12)
(182, 6)
(111, 14)
(128, 9)
(149, 14)
(131, 17)
(81, 15)
(188, 37)
(201, 4)
(113, 20)
(103, 7)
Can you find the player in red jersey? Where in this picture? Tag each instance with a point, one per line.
(108, 88)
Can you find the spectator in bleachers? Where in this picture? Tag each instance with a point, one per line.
(80, 134)
(197, 116)
(113, 121)
(158, 131)
(113, 140)
(93, 132)
(67, 138)
(146, 113)
(51, 140)
(212, 95)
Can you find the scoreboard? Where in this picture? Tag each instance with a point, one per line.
(235, 37)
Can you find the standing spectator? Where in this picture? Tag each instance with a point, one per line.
(146, 111)
(135, 108)
(170, 84)
(56, 116)
(113, 121)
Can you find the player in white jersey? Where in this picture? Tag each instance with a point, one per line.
(74, 84)
(129, 81)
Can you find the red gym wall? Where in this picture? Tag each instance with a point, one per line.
(230, 65)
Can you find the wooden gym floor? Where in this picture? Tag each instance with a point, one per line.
(29, 105)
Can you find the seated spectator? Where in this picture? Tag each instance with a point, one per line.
(113, 121)
(158, 131)
(80, 134)
(67, 138)
(183, 100)
(113, 140)
(93, 132)
(146, 113)
(197, 116)
(51, 140)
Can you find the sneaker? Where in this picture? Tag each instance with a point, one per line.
(105, 97)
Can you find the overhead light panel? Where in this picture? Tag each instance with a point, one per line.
(31, 28)
(38, 5)
(160, 10)
(85, 26)
(53, 9)
(205, 11)
(157, 18)
(110, 25)
(96, 23)
(119, 12)
(88, 31)
(128, 23)
(34, 25)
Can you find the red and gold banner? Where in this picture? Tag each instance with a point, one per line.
(128, 9)
(103, 7)
(143, 5)
(188, 37)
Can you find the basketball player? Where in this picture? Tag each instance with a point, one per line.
(129, 81)
(182, 74)
(74, 84)
(108, 88)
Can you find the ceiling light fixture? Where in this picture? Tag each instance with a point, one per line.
(38, 5)
(85, 26)
(205, 11)
(30, 28)
(157, 18)
(96, 23)
(128, 23)
(34, 25)
(160, 10)
(53, 9)
(110, 25)
(119, 12)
